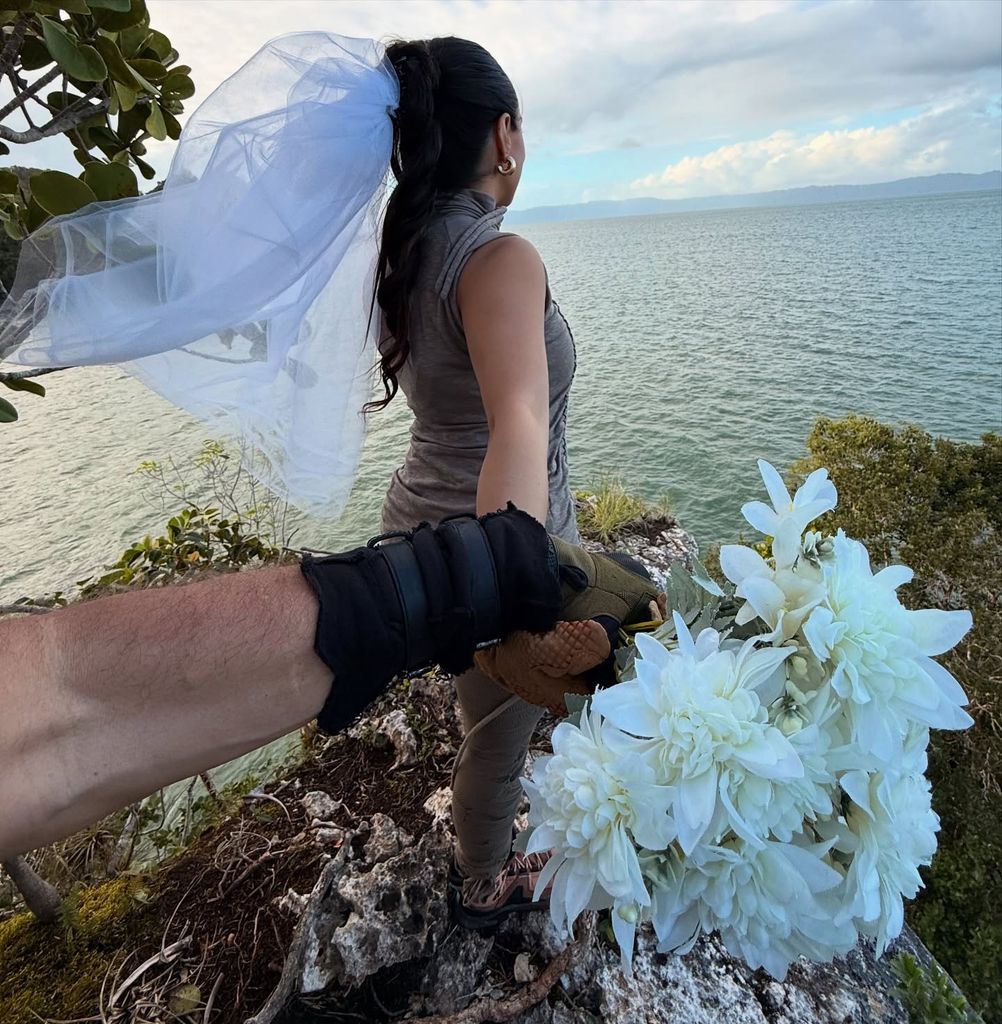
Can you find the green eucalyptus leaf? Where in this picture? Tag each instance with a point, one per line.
(8, 414)
(111, 181)
(58, 193)
(78, 60)
(30, 386)
(702, 577)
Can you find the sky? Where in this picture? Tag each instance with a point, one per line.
(630, 98)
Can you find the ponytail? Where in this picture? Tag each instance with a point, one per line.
(451, 92)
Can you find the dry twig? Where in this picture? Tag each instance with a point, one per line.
(535, 992)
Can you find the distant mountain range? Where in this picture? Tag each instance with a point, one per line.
(928, 185)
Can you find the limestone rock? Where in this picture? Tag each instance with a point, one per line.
(401, 736)
(321, 806)
(439, 806)
(386, 906)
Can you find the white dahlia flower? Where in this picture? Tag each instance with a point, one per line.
(890, 831)
(590, 804)
(767, 901)
(694, 714)
(879, 652)
(781, 598)
(786, 521)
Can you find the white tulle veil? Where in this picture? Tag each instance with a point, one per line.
(242, 290)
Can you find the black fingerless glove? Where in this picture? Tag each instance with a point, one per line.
(427, 596)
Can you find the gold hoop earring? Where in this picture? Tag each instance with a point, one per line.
(504, 168)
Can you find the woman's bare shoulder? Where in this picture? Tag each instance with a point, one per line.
(508, 262)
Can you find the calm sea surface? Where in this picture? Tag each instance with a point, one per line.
(705, 341)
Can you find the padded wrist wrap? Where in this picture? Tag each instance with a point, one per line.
(434, 595)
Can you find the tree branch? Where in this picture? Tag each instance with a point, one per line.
(66, 121)
(21, 98)
(8, 58)
(27, 374)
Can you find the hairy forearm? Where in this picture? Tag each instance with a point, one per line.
(514, 468)
(106, 701)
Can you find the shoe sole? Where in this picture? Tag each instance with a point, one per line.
(481, 920)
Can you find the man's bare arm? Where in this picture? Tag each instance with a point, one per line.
(104, 702)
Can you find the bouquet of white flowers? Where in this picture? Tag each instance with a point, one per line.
(758, 770)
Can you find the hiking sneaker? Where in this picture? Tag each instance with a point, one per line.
(478, 906)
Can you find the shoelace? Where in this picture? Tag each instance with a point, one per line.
(517, 864)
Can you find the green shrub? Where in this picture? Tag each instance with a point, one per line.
(936, 505)
(928, 996)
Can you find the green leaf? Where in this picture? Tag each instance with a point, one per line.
(58, 193)
(5, 149)
(702, 577)
(178, 86)
(111, 5)
(148, 172)
(126, 96)
(34, 54)
(132, 40)
(155, 123)
(78, 60)
(8, 183)
(159, 44)
(130, 123)
(117, 68)
(8, 414)
(110, 181)
(73, 6)
(115, 21)
(150, 70)
(31, 386)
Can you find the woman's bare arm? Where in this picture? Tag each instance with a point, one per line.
(501, 296)
(106, 701)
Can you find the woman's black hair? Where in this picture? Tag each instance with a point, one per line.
(452, 91)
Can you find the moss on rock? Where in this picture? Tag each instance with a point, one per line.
(57, 970)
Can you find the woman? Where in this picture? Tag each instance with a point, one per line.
(485, 360)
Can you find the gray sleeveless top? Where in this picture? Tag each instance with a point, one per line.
(449, 432)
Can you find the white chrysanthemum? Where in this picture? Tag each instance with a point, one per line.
(694, 714)
(768, 902)
(786, 521)
(890, 830)
(879, 651)
(589, 804)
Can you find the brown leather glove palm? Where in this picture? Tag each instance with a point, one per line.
(601, 594)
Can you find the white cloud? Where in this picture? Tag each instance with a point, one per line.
(937, 140)
(595, 75)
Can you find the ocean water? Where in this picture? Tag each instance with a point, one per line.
(705, 341)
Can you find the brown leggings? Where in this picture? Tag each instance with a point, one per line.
(491, 759)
